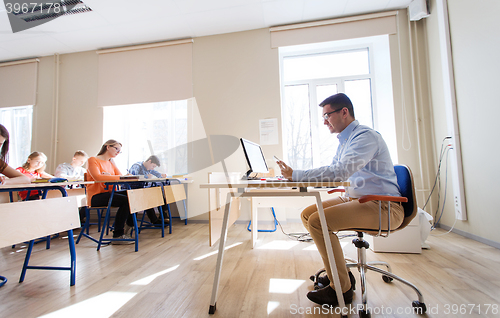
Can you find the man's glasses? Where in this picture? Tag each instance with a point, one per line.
(327, 115)
(117, 149)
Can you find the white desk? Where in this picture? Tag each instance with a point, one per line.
(300, 191)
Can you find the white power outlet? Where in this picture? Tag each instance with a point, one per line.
(458, 183)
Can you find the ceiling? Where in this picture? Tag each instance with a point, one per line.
(114, 23)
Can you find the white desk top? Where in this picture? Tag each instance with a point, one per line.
(272, 184)
(142, 179)
(43, 184)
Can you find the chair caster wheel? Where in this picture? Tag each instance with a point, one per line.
(421, 307)
(364, 314)
(387, 279)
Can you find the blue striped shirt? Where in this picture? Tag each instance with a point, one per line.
(139, 169)
(363, 159)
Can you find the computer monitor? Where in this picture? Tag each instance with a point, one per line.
(255, 158)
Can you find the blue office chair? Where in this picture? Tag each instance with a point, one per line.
(409, 202)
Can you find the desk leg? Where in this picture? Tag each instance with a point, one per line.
(331, 258)
(104, 227)
(26, 260)
(254, 219)
(220, 255)
(107, 217)
(72, 253)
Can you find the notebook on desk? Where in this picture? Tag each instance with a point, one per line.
(41, 180)
(129, 177)
(47, 180)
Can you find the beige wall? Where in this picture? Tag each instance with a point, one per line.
(79, 120)
(475, 48)
(236, 83)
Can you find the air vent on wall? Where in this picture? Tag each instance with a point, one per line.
(418, 9)
(51, 10)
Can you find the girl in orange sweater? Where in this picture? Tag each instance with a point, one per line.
(102, 168)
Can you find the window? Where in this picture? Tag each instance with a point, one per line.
(19, 122)
(310, 73)
(146, 129)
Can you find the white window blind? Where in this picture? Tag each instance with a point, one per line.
(146, 73)
(334, 29)
(18, 81)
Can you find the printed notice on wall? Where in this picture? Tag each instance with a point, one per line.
(268, 129)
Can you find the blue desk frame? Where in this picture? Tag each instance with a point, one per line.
(72, 251)
(114, 184)
(161, 184)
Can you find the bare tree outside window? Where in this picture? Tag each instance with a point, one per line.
(308, 80)
(297, 128)
(309, 73)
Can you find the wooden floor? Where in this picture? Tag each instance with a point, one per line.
(173, 276)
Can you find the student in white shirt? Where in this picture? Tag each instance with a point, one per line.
(73, 170)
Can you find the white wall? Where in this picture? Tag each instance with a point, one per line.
(475, 48)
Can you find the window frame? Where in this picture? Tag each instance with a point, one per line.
(16, 157)
(314, 110)
(128, 110)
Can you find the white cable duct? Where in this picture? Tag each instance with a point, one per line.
(420, 149)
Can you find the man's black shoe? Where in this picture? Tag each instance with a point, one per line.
(324, 281)
(328, 296)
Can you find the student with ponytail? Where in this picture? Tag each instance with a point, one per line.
(103, 168)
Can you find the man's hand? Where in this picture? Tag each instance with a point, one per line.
(286, 171)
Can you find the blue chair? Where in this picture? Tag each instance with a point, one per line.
(148, 225)
(409, 202)
(86, 226)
